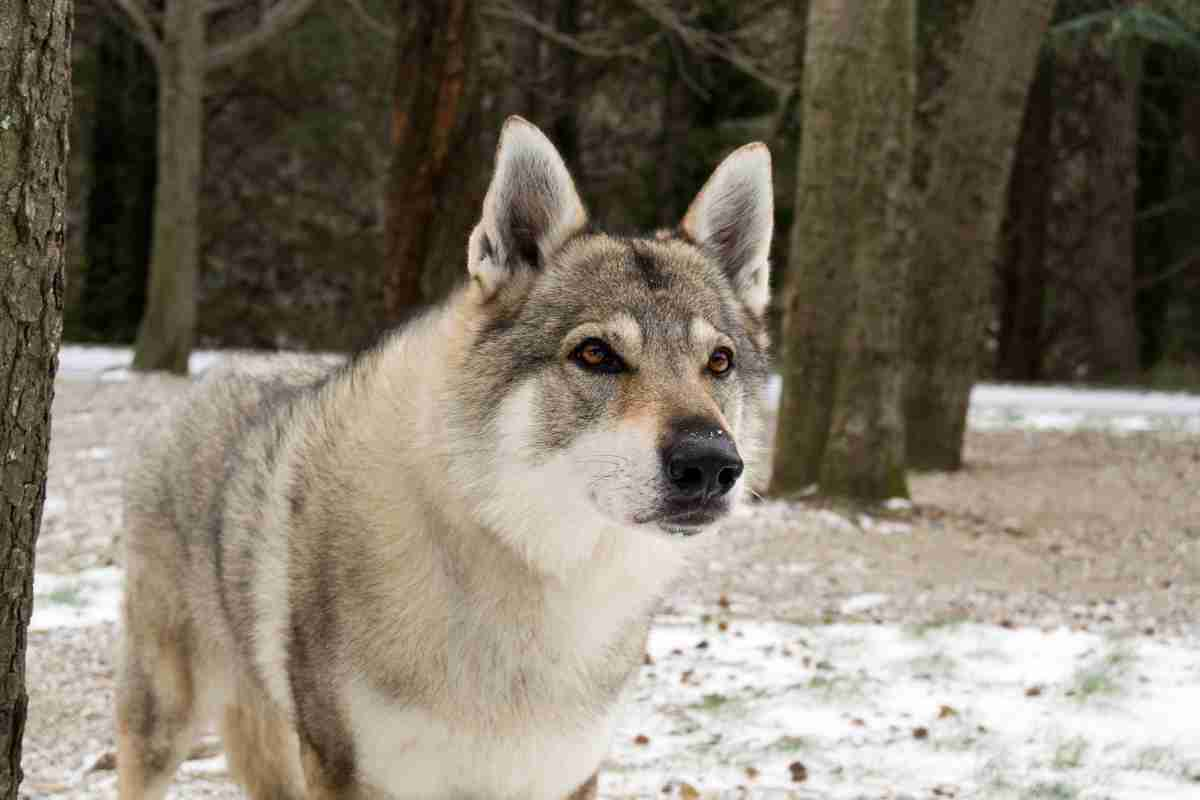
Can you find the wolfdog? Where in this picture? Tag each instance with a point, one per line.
(429, 572)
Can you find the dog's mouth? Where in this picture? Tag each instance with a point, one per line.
(685, 522)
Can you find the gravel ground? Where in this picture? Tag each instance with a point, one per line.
(1093, 531)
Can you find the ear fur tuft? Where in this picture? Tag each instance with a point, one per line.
(531, 207)
(733, 216)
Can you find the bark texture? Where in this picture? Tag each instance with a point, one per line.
(969, 163)
(437, 180)
(35, 105)
(841, 423)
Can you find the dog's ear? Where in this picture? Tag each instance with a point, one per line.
(732, 219)
(531, 207)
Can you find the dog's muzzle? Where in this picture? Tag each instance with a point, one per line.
(701, 465)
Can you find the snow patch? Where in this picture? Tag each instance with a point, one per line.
(884, 710)
(84, 598)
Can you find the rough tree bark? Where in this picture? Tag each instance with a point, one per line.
(1022, 305)
(841, 423)
(182, 57)
(35, 110)
(434, 188)
(970, 158)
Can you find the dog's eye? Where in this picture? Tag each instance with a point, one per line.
(596, 356)
(720, 362)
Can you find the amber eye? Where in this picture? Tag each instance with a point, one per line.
(720, 362)
(596, 356)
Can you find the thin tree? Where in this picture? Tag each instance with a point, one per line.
(840, 421)
(177, 41)
(969, 159)
(35, 109)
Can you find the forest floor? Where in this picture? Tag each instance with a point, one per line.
(1026, 627)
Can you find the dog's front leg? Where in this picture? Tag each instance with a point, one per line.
(588, 790)
(328, 776)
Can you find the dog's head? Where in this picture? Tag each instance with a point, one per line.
(614, 382)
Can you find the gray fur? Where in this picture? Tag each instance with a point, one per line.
(444, 551)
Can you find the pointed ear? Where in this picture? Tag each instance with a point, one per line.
(531, 208)
(732, 219)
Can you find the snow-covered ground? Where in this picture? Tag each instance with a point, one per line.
(728, 706)
(734, 703)
(882, 710)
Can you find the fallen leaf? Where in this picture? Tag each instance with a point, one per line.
(723, 602)
(920, 733)
(1033, 691)
(751, 773)
(799, 772)
(104, 762)
(689, 792)
(642, 739)
(946, 711)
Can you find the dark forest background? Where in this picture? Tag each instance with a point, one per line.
(964, 189)
(1103, 213)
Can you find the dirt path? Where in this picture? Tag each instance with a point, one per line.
(1090, 530)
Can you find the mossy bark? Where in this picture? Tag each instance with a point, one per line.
(969, 163)
(35, 110)
(840, 422)
(164, 339)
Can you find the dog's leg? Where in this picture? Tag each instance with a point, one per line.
(262, 749)
(156, 714)
(324, 778)
(588, 790)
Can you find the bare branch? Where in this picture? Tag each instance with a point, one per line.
(510, 13)
(380, 27)
(275, 21)
(217, 6)
(143, 29)
(703, 41)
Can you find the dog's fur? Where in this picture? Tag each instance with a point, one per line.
(429, 573)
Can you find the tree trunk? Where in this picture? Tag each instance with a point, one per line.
(168, 325)
(437, 178)
(120, 216)
(1185, 232)
(1096, 104)
(1023, 267)
(970, 159)
(35, 110)
(840, 420)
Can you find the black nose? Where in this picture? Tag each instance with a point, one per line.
(702, 464)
